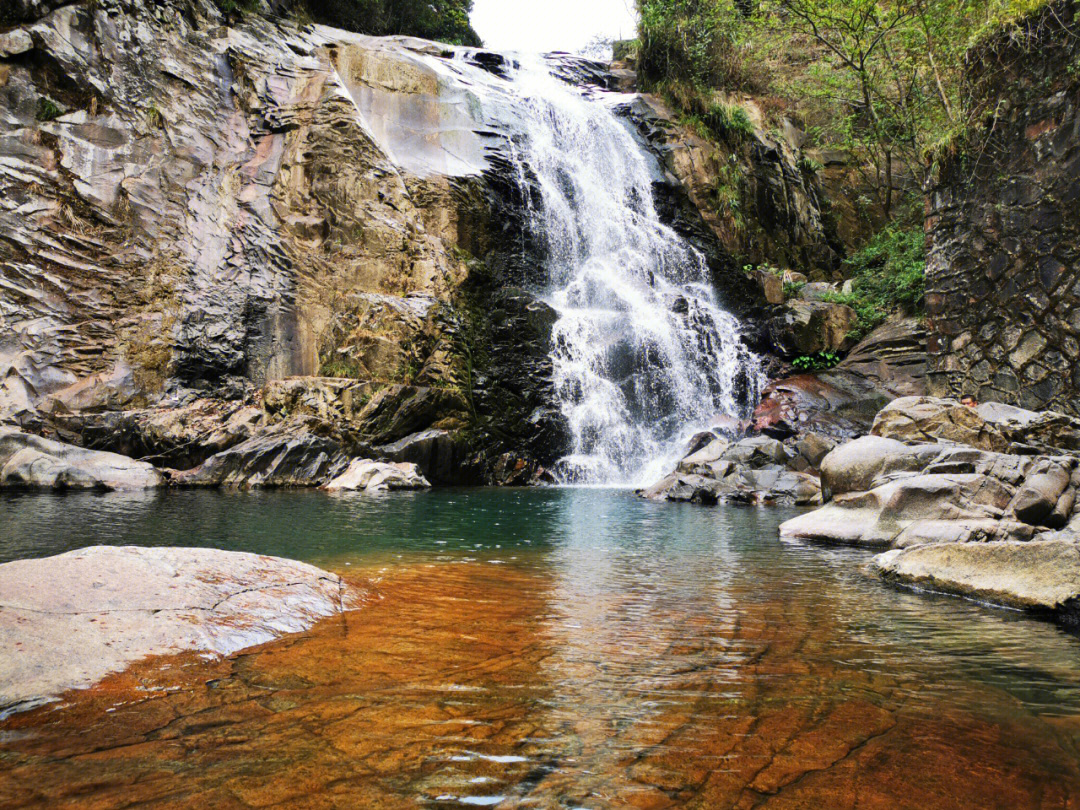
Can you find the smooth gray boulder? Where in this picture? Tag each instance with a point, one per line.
(68, 621)
(886, 493)
(853, 466)
(1038, 575)
(378, 476)
(32, 462)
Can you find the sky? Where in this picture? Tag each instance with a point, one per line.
(551, 25)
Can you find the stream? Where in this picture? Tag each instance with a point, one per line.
(553, 648)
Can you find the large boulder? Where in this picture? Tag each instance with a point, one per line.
(1038, 575)
(378, 476)
(116, 605)
(928, 419)
(32, 462)
(853, 466)
(886, 493)
(810, 327)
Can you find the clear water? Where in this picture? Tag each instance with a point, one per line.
(555, 648)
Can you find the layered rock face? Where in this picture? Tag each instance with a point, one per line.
(1003, 268)
(193, 211)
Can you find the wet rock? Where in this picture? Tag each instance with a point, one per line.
(118, 605)
(32, 462)
(440, 455)
(756, 470)
(811, 327)
(513, 470)
(302, 453)
(378, 476)
(841, 403)
(1039, 575)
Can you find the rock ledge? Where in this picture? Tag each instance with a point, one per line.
(68, 621)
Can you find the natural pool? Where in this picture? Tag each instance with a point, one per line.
(554, 648)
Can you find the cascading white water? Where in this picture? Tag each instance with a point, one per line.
(643, 353)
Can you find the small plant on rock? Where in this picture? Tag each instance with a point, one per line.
(816, 362)
(48, 109)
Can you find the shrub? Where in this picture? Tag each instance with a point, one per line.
(689, 42)
(728, 121)
(888, 276)
(816, 362)
(440, 20)
(48, 109)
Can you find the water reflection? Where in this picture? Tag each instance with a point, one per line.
(557, 648)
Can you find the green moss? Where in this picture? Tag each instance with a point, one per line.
(48, 109)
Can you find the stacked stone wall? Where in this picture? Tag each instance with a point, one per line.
(1003, 224)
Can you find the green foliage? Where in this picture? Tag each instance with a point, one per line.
(887, 276)
(440, 20)
(728, 121)
(882, 79)
(48, 109)
(816, 362)
(237, 6)
(685, 41)
(793, 288)
(339, 366)
(154, 119)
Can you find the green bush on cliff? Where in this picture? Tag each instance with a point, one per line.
(887, 276)
(689, 44)
(441, 20)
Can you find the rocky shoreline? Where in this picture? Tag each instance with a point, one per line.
(979, 501)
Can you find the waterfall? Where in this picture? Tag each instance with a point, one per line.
(643, 353)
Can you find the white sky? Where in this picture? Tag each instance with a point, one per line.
(550, 25)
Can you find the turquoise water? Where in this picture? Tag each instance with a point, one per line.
(608, 637)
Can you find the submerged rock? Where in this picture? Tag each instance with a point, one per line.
(121, 604)
(1040, 575)
(378, 476)
(32, 462)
